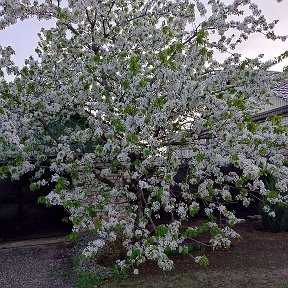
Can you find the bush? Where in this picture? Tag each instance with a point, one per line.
(279, 223)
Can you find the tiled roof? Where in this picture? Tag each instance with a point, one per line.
(282, 90)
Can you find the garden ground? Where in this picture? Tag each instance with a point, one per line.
(259, 260)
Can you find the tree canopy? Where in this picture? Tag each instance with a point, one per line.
(143, 86)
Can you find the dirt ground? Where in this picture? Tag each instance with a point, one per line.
(259, 260)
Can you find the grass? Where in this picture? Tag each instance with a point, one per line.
(82, 279)
(88, 280)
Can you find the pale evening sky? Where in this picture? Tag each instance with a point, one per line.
(23, 35)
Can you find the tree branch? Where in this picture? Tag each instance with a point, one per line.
(104, 180)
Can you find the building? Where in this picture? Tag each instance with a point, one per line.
(278, 106)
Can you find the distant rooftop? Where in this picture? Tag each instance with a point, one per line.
(278, 103)
(282, 90)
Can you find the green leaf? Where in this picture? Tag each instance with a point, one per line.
(170, 19)
(125, 84)
(75, 175)
(4, 169)
(195, 232)
(160, 101)
(165, 29)
(161, 230)
(19, 86)
(73, 236)
(234, 157)
(118, 126)
(91, 212)
(262, 152)
(240, 182)
(62, 15)
(27, 149)
(131, 110)
(203, 261)
(252, 127)
(143, 83)
(193, 211)
(185, 250)
(99, 149)
(42, 200)
(134, 65)
(48, 35)
(201, 37)
(19, 159)
(115, 165)
(132, 138)
(227, 115)
(159, 194)
(31, 88)
(147, 120)
(135, 253)
(61, 184)
(86, 86)
(200, 157)
(34, 186)
(275, 119)
(39, 105)
(97, 58)
(137, 163)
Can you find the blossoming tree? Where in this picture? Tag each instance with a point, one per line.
(145, 95)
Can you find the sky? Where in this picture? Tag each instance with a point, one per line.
(23, 35)
(258, 44)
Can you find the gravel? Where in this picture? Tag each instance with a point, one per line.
(50, 265)
(46, 266)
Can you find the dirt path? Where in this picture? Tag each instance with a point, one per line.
(35, 267)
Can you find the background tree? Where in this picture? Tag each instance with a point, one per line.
(140, 82)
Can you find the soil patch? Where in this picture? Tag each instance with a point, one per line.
(259, 259)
